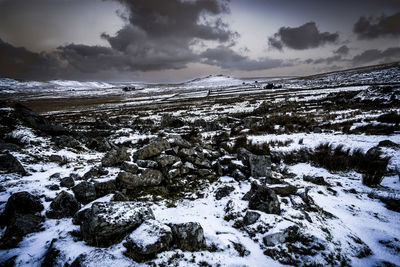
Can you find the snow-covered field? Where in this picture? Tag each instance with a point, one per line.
(254, 210)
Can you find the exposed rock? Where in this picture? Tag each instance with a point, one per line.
(223, 192)
(319, 180)
(173, 173)
(9, 164)
(180, 142)
(188, 236)
(8, 147)
(67, 182)
(153, 149)
(105, 188)
(260, 166)
(204, 172)
(250, 217)
(99, 144)
(170, 121)
(202, 163)
(150, 177)
(243, 155)
(129, 167)
(108, 222)
(22, 202)
(263, 199)
(115, 157)
(166, 160)
(388, 143)
(94, 172)
(37, 122)
(67, 141)
(61, 160)
(238, 175)
(285, 190)
(18, 226)
(150, 238)
(147, 164)
(85, 192)
(51, 257)
(64, 205)
(186, 153)
(118, 196)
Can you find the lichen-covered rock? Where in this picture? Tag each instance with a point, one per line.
(180, 142)
(85, 192)
(166, 160)
(250, 217)
(260, 166)
(64, 205)
(22, 202)
(147, 163)
(115, 157)
(149, 239)
(129, 167)
(263, 199)
(106, 223)
(186, 153)
(105, 188)
(153, 149)
(149, 177)
(95, 172)
(67, 182)
(223, 192)
(9, 164)
(188, 236)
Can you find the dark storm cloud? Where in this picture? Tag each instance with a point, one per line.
(368, 56)
(18, 62)
(226, 58)
(343, 50)
(328, 60)
(304, 37)
(371, 28)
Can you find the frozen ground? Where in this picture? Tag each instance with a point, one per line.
(341, 220)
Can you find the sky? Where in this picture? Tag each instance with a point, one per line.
(177, 40)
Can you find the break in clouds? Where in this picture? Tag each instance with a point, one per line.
(169, 35)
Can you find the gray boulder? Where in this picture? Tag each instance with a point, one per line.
(147, 164)
(129, 167)
(85, 192)
(263, 199)
(9, 164)
(115, 157)
(149, 239)
(67, 182)
(22, 202)
(148, 177)
(188, 236)
(223, 191)
(260, 166)
(106, 223)
(153, 149)
(105, 188)
(64, 205)
(166, 160)
(95, 172)
(250, 217)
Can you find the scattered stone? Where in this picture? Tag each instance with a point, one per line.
(173, 173)
(260, 166)
(118, 196)
(285, 190)
(223, 192)
(243, 252)
(153, 149)
(51, 257)
(67, 182)
(115, 157)
(388, 143)
(166, 160)
(180, 142)
(85, 192)
(150, 177)
(149, 239)
(263, 199)
(188, 236)
(147, 164)
(318, 180)
(64, 205)
(250, 217)
(9, 164)
(95, 172)
(129, 167)
(186, 153)
(53, 187)
(238, 175)
(55, 176)
(22, 202)
(61, 160)
(106, 223)
(105, 188)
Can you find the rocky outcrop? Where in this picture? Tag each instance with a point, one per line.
(21, 216)
(149, 239)
(148, 177)
(64, 205)
(223, 192)
(263, 199)
(9, 164)
(115, 157)
(250, 217)
(106, 223)
(188, 236)
(85, 192)
(153, 149)
(104, 188)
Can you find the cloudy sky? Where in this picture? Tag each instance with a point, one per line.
(176, 40)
